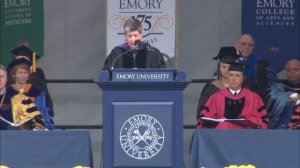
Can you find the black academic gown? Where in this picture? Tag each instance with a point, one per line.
(122, 57)
(5, 108)
(38, 79)
(208, 90)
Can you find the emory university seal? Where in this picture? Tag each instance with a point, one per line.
(142, 136)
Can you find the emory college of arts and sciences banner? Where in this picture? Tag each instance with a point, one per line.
(156, 16)
(21, 21)
(274, 25)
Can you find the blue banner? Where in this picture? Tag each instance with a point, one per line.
(274, 24)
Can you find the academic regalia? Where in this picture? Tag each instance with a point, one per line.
(289, 118)
(294, 122)
(38, 79)
(260, 75)
(5, 108)
(226, 55)
(29, 103)
(37, 98)
(223, 104)
(19, 108)
(208, 90)
(122, 57)
(292, 87)
(277, 103)
(37, 76)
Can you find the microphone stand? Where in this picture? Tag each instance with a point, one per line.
(149, 47)
(137, 45)
(134, 59)
(126, 53)
(168, 58)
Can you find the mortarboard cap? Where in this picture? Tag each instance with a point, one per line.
(23, 50)
(237, 67)
(18, 62)
(227, 54)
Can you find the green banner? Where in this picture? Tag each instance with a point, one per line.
(21, 21)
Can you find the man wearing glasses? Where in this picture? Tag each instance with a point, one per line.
(260, 75)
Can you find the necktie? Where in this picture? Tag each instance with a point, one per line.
(235, 93)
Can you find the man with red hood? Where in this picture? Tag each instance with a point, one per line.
(234, 102)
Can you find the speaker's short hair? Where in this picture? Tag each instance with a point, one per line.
(132, 24)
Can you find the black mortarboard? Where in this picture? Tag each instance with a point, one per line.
(227, 54)
(23, 50)
(237, 67)
(19, 61)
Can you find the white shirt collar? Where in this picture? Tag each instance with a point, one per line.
(233, 91)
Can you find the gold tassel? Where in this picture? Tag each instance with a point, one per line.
(33, 62)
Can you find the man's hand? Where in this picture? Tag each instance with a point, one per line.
(294, 97)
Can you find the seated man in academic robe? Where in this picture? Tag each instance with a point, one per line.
(283, 98)
(240, 106)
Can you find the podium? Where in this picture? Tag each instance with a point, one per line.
(142, 118)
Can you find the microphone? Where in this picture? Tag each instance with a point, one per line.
(117, 57)
(149, 47)
(137, 46)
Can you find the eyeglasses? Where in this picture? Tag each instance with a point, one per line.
(244, 44)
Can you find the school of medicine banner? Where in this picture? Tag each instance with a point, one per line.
(274, 24)
(156, 16)
(21, 21)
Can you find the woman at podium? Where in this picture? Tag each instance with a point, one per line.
(134, 53)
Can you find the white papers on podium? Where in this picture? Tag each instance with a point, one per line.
(238, 121)
(14, 124)
(222, 119)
